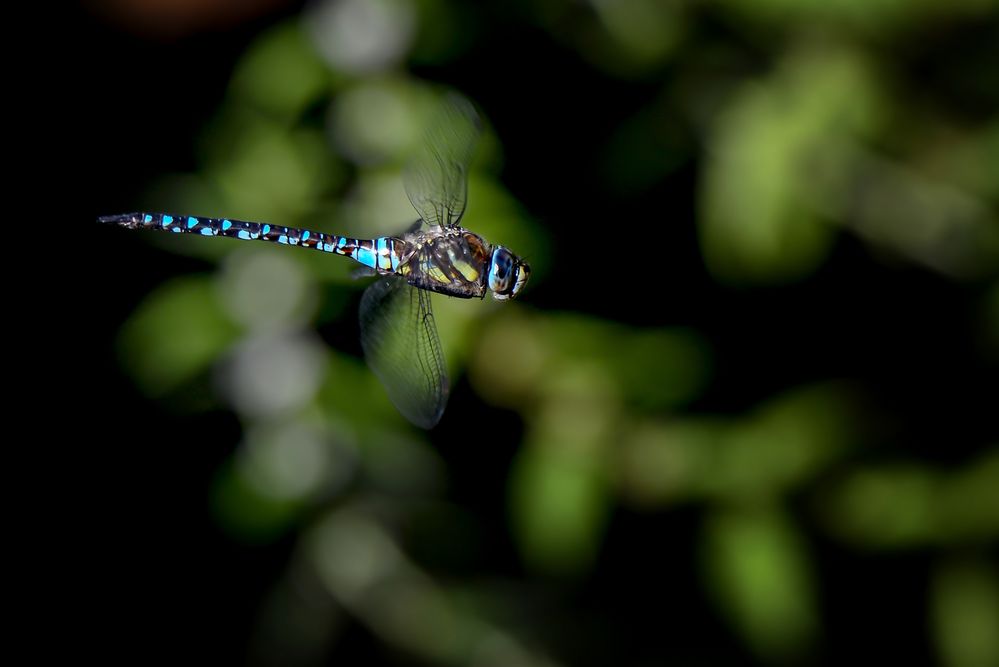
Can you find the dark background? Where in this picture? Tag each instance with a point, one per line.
(153, 571)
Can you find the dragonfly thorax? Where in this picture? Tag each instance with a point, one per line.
(453, 262)
(460, 263)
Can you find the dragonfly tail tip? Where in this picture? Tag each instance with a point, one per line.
(119, 219)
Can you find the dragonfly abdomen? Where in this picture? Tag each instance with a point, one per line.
(380, 254)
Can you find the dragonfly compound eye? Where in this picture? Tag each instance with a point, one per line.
(507, 274)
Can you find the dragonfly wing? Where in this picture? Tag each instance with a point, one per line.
(401, 345)
(413, 228)
(436, 177)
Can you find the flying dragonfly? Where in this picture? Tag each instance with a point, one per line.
(435, 254)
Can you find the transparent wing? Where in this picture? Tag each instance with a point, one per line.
(436, 177)
(415, 227)
(400, 342)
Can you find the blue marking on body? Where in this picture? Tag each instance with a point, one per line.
(147, 218)
(207, 231)
(191, 222)
(328, 247)
(305, 236)
(342, 242)
(177, 229)
(283, 239)
(266, 230)
(365, 256)
(381, 249)
(167, 219)
(393, 260)
(243, 234)
(226, 224)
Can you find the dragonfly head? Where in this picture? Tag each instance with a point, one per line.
(507, 274)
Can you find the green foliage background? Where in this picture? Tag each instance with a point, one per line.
(745, 412)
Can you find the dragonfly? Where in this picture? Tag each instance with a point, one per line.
(434, 254)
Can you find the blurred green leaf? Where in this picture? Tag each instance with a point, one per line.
(281, 73)
(885, 508)
(376, 205)
(522, 356)
(378, 121)
(559, 508)
(956, 155)
(760, 217)
(783, 443)
(872, 15)
(446, 29)
(559, 494)
(660, 463)
(248, 513)
(967, 509)
(641, 33)
(761, 576)
(625, 38)
(277, 173)
(509, 359)
(769, 452)
(362, 566)
(175, 334)
(352, 393)
(965, 613)
(926, 221)
(910, 505)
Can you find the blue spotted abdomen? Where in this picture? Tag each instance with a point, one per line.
(381, 254)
